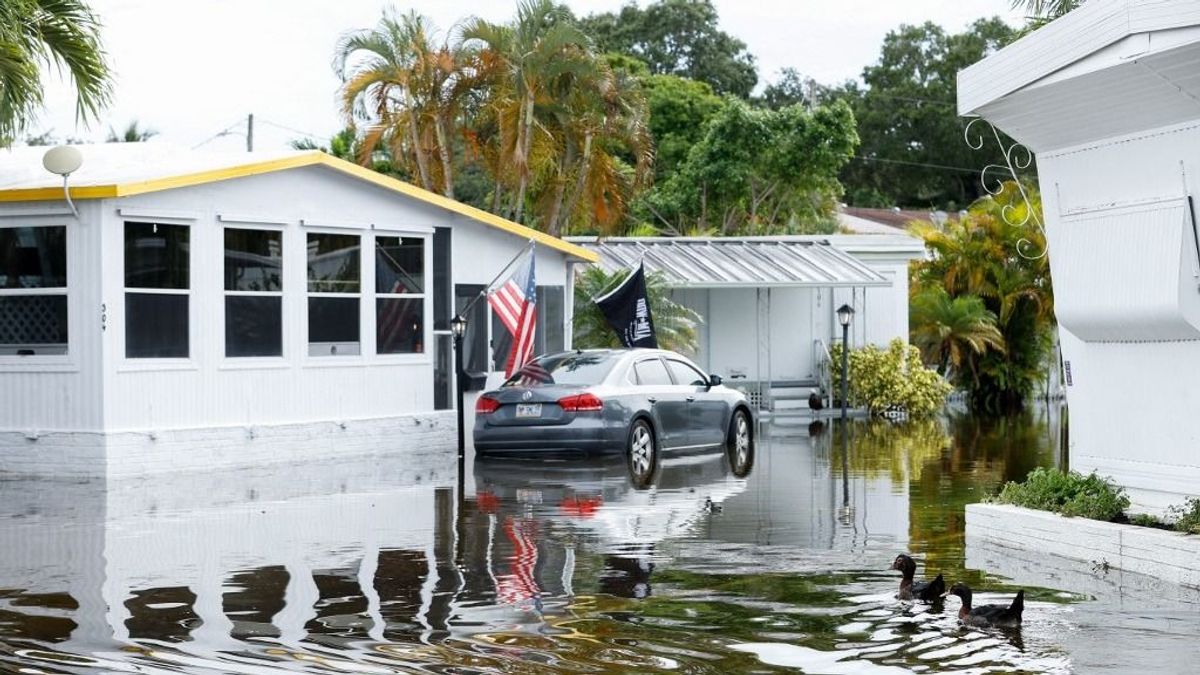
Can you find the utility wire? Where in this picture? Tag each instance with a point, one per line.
(942, 167)
(218, 134)
(292, 129)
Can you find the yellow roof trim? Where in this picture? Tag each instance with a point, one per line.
(293, 162)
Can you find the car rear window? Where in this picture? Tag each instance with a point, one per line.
(581, 368)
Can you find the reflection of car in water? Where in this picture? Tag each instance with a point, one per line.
(595, 502)
(639, 401)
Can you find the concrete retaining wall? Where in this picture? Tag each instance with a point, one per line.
(1168, 556)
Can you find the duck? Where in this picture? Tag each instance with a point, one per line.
(997, 616)
(815, 401)
(926, 591)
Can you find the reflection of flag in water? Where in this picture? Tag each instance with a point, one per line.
(398, 318)
(515, 302)
(521, 585)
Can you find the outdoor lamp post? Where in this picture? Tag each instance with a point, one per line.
(844, 314)
(458, 326)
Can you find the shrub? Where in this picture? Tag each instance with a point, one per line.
(1187, 517)
(1071, 494)
(889, 379)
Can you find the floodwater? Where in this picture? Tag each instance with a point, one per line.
(385, 566)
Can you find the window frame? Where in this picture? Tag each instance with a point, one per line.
(705, 379)
(136, 363)
(359, 358)
(234, 362)
(425, 296)
(65, 362)
(637, 379)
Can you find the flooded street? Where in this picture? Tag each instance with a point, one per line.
(552, 566)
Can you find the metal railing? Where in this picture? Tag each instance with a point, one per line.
(823, 361)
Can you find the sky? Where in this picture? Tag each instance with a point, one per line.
(191, 69)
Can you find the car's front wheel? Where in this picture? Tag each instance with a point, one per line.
(643, 453)
(741, 443)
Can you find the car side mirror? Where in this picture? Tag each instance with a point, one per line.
(714, 380)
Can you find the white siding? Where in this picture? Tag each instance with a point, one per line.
(36, 398)
(104, 391)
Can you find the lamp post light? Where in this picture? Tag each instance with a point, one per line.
(458, 326)
(844, 314)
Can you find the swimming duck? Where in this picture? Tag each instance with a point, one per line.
(926, 591)
(988, 615)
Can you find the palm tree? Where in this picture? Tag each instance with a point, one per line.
(603, 116)
(1041, 12)
(398, 77)
(132, 134)
(947, 330)
(61, 33)
(523, 62)
(674, 324)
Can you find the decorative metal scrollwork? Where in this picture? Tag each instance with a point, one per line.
(1017, 157)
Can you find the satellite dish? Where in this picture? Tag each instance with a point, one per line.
(62, 160)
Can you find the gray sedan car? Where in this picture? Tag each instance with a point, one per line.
(637, 401)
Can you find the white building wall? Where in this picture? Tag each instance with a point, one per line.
(41, 393)
(1133, 395)
(211, 390)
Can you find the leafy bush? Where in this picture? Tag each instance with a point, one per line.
(1071, 494)
(1187, 517)
(892, 378)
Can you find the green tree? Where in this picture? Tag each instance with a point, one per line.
(677, 37)
(912, 149)
(680, 110)
(133, 133)
(674, 324)
(61, 33)
(996, 254)
(949, 331)
(759, 171)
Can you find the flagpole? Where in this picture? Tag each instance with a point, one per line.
(484, 292)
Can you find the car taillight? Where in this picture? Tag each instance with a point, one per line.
(486, 405)
(585, 402)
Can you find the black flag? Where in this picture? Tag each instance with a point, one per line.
(627, 309)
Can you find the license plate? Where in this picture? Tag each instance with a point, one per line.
(527, 496)
(529, 410)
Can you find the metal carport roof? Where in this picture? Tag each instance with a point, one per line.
(736, 262)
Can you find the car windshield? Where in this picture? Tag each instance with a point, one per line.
(581, 368)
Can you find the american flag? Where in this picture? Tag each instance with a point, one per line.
(515, 302)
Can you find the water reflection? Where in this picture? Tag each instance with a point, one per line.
(556, 565)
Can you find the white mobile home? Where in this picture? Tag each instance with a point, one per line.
(1107, 98)
(768, 303)
(203, 310)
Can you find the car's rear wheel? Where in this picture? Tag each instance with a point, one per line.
(741, 443)
(643, 453)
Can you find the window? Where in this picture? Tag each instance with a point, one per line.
(334, 290)
(572, 368)
(651, 372)
(157, 282)
(475, 340)
(33, 290)
(253, 293)
(685, 374)
(399, 295)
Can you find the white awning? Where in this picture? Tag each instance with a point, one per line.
(731, 262)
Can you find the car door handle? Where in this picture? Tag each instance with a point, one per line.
(691, 399)
(651, 399)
